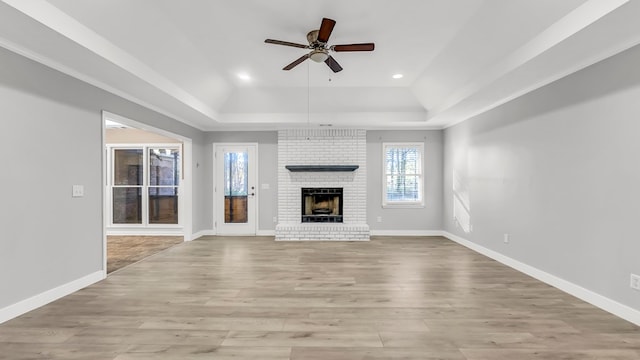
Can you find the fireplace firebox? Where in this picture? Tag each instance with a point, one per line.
(322, 205)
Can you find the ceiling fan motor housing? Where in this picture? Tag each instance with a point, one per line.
(312, 37)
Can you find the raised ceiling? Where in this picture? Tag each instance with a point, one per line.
(183, 58)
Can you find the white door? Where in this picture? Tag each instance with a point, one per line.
(235, 189)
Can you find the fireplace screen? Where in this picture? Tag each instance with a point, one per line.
(321, 205)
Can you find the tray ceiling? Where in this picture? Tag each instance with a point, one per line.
(205, 62)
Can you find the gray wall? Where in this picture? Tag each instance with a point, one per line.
(201, 204)
(51, 139)
(267, 172)
(428, 218)
(558, 170)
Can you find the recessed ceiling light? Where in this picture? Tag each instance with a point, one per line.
(397, 76)
(244, 76)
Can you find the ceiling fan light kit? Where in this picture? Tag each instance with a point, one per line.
(317, 40)
(319, 55)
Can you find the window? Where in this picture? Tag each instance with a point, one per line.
(164, 178)
(127, 186)
(145, 181)
(403, 177)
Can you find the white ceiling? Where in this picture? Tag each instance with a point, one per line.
(182, 58)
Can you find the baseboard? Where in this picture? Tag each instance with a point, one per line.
(406, 233)
(34, 302)
(604, 303)
(266, 233)
(202, 233)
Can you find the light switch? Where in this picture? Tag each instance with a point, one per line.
(77, 191)
(265, 186)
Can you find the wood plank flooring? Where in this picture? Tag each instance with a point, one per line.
(126, 250)
(254, 298)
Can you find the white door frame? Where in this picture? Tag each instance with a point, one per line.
(186, 207)
(218, 215)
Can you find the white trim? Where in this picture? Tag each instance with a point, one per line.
(202, 233)
(186, 186)
(135, 227)
(142, 126)
(569, 25)
(540, 83)
(146, 232)
(214, 196)
(145, 186)
(67, 26)
(218, 203)
(403, 204)
(49, 62)
(36, 301)
(261, 122)
(266, 233)
(105, 173)
(604, 303)
(256, 187)
(406, 233)
(134, 146)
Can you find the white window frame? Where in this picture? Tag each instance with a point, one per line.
(144, 187)
(402, 204)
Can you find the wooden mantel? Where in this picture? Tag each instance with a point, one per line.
(318, 168)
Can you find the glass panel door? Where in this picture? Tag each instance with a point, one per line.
(235, 187)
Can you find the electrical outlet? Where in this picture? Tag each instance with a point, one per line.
(379, 219)
(635, 282)
(506, 238)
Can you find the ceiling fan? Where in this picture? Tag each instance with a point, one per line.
(319, 49)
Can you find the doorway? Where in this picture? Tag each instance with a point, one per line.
(147, 193)
(235, 188)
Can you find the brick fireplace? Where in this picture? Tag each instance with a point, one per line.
(326, 167)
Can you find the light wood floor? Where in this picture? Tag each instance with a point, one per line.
(253, 298)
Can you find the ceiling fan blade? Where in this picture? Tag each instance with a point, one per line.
(286, 43)
(333, 64)
(354, 47)
(297, 62)
(325, 30)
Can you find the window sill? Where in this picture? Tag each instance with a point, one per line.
(145, 226)
(403, 206)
